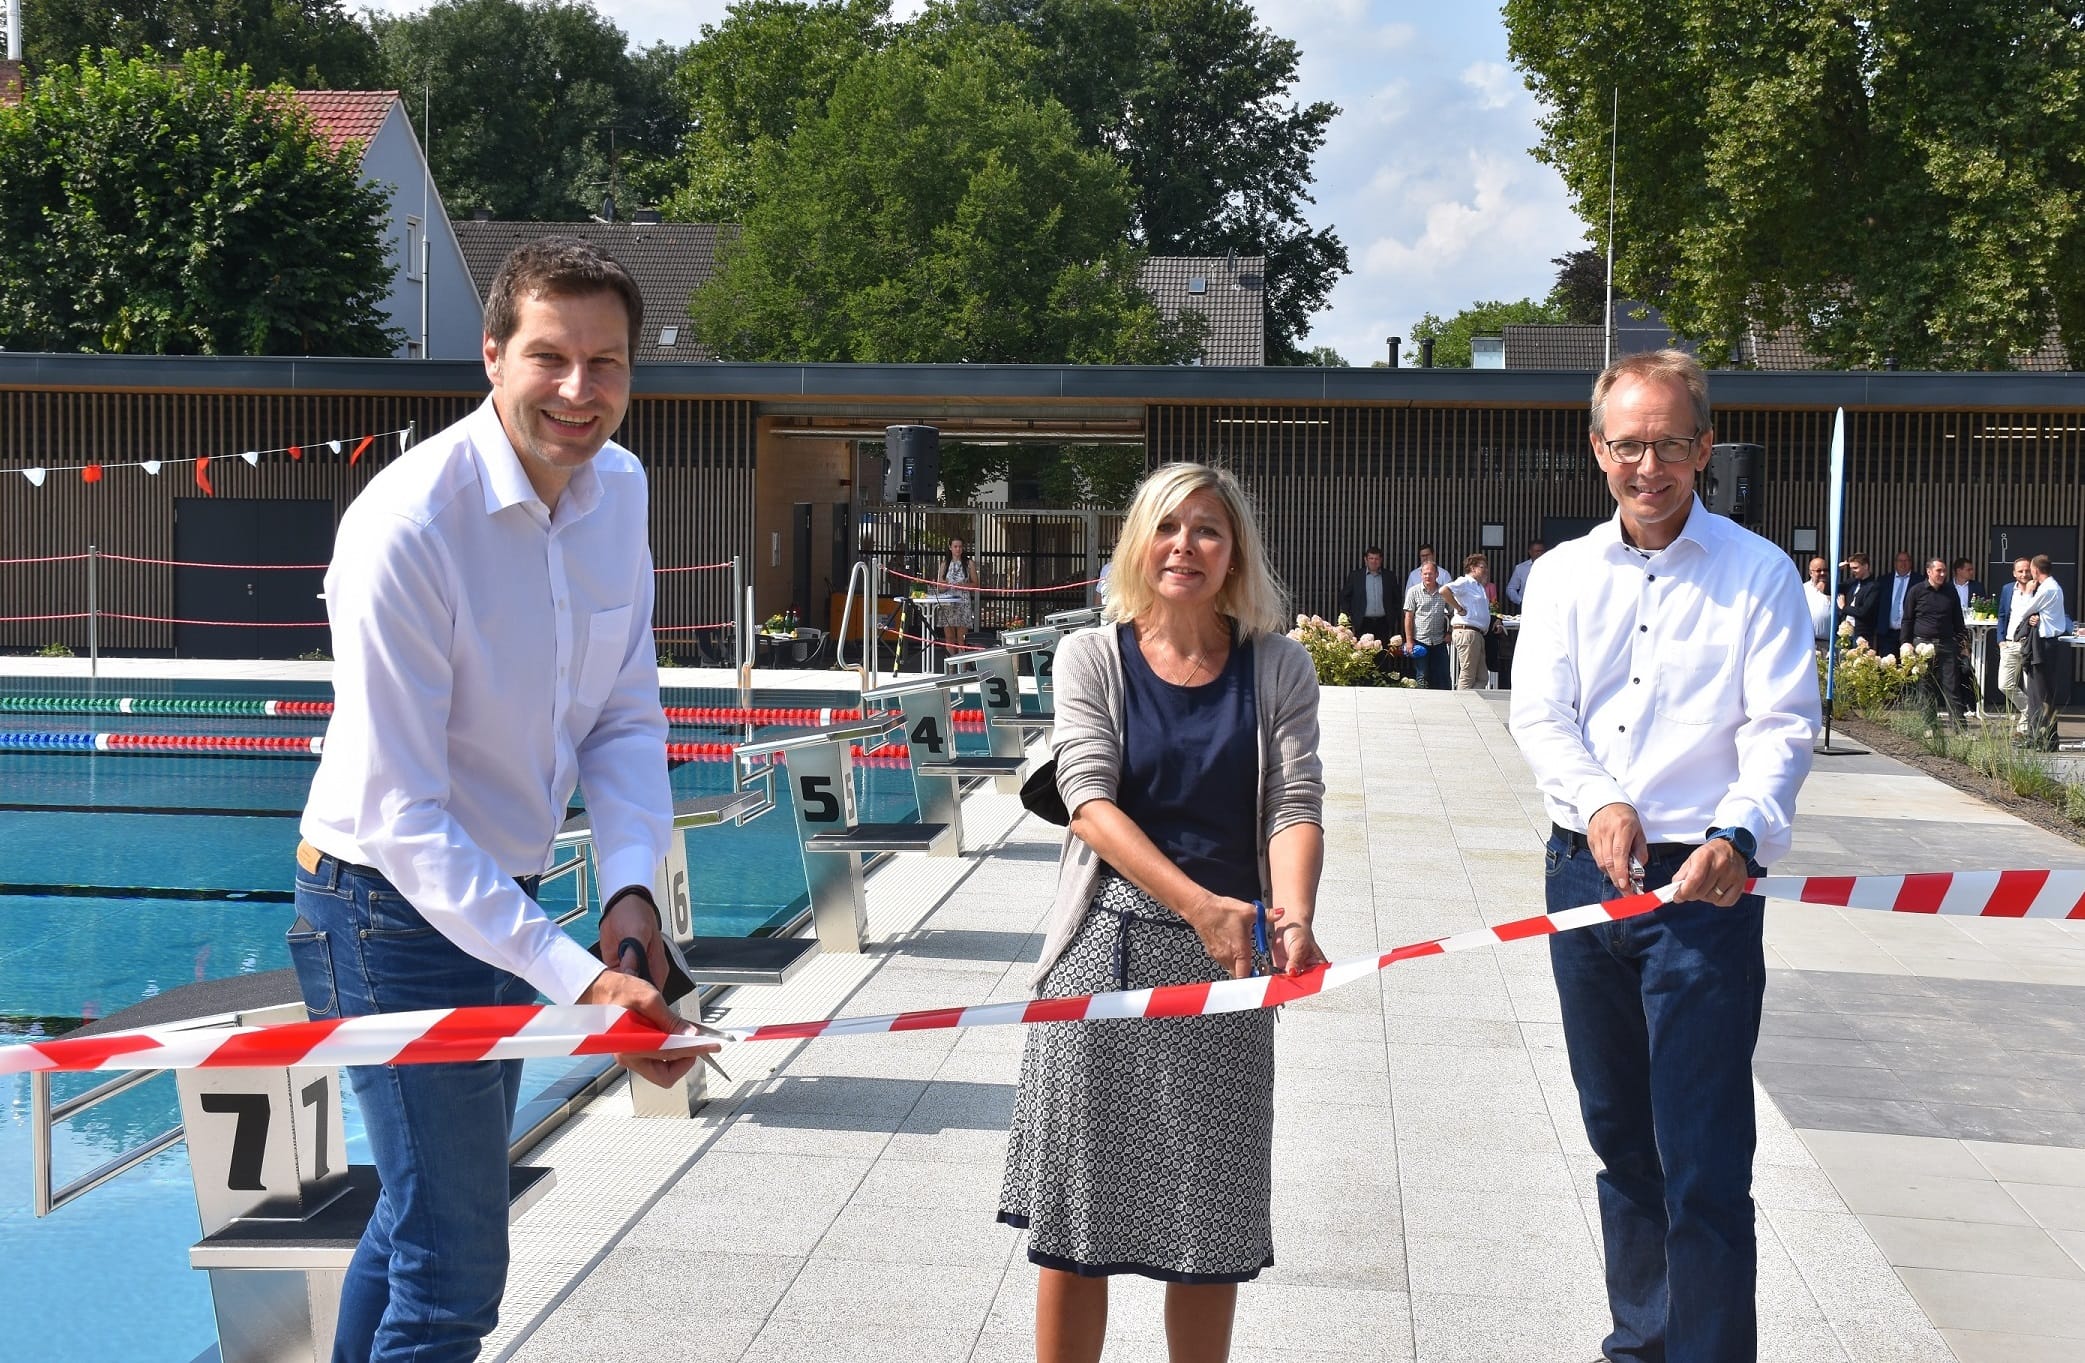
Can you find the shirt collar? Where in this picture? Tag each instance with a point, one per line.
(506, 483)
(1701, 530)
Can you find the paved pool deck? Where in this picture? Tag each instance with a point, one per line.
(1921, 1083)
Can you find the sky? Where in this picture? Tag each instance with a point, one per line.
(1425, 174)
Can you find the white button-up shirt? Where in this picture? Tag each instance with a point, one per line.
(489, 656)
(1476, 603)
(1517, 585)
(1683, 684)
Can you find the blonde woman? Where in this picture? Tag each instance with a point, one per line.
(1186, 743)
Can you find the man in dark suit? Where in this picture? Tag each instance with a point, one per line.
(1365, 597)
(1966, 585)
(1860, 600)
(1933, 615)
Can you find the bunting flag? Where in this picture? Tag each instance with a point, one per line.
(94, 470)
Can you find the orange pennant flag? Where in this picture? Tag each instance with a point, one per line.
(202, 476)
(364, 443)
(91, 474)
(296, 452)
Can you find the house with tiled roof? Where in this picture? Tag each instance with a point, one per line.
(1230, 293)
(432, 300)
(1637, 327)
(669, 261)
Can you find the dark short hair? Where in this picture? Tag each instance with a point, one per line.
(557, 267)
(1375, 549)
(1533, 543)
(1959, 564)
(1858, 558)
(1426, 548)
(2040, 562)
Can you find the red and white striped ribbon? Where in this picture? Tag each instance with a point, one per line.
(514, 1033)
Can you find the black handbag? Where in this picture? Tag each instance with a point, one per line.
(1039, 795)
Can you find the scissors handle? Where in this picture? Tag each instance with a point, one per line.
(1259, 927)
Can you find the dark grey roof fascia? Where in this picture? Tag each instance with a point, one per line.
(1043, 383)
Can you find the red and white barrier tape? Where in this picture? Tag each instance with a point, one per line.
(513, 1033)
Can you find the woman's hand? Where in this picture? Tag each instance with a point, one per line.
(1293, 943)
(1225, 927)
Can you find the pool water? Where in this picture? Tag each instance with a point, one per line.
(124, 876)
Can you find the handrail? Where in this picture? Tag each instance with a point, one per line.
(868, 663)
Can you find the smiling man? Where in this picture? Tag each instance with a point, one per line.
(1666, 698)
(491, 601)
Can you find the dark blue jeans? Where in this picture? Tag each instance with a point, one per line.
(1661, 1013)
(1432, 669)
(426, 1280)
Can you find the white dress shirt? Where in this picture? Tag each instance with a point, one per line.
(1820, 603)
(1373, 605)
(1476, 604)
(489, 656)
(1411, 579)
(1682, 683)
(2047, 602)
(1517, 585)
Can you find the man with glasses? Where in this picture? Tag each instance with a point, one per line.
(1665, 696)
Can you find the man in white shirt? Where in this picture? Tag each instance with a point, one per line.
(1470, 607)
(2016, 606)
(1517, 584)
(1426, 556)
(2046, 668)
(490, 599)
(1665, 695)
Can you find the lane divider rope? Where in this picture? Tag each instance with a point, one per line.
(531, 1031)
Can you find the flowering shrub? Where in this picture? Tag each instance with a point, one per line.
(1341, 658)
(1869, 682)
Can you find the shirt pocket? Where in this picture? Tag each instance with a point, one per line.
(1690, 685)
(607, 641)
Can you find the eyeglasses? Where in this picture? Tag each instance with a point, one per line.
(1672, 450)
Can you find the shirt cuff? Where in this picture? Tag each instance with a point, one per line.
(564, 970)
(630, 866)
(1597, 795)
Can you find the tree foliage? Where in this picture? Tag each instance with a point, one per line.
(1451, 338)
(183, 211)
(1194, 97)
(1580, 293)
(746, 82)
(313, 44)
(932, 211)
(1887, 179)
(530, 99)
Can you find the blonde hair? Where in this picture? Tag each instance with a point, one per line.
(1655, 366)
(1251, 595)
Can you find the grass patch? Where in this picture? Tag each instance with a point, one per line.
(1990, 753)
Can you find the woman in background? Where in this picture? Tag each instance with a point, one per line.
(958, 577)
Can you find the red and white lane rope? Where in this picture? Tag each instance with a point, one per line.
(533, 1031)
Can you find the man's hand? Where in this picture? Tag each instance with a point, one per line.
(1714, 874)
(631, 916)
(1614, 836)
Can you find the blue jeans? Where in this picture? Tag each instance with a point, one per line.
(1433, 667)
(1661, 1013)
(426, 1280)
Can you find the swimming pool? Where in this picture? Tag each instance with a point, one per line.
(122, 876)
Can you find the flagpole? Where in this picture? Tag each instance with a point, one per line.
(1835, 526)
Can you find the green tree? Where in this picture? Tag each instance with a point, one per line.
(1325, 357)
(1888, 179)
(1195, 98)
(185, 211)
(744, 85)
(1580, 293)
(933, 212)
(313, 44)
(529, 98)
(1451, 338)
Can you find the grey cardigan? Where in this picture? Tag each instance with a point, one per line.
(1087, 741)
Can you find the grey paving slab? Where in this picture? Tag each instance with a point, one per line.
(1970, 1246)
(2001, 1302)
(1985, 1346)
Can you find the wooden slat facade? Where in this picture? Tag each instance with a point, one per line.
(698, 452)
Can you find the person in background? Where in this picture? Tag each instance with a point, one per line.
(1426, 556)
(958, 576)
(1860, 599)
(1426, 627)
(1891, 628)
(1364, 598)
(1933, 615)
(1969, 590)
(1666, 700)
(1466, 597)
(2048, 659)
(1819, 598)
(1967, 587)
(2015, 606)
(491, 601)
(1187, 753)
(1517, 584)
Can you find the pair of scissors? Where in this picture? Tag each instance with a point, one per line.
(1259, 932)
(630, 947)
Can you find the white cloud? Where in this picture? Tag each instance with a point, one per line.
(1496, 83)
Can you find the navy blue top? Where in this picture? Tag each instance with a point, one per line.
(1191, 768)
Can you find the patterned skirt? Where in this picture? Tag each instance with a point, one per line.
(1143, 1145)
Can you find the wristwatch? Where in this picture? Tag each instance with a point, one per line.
(1739, 837)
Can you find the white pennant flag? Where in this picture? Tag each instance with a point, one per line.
(405, 438)
(334, 445)
(151, 466)
(252, 458)
(35, 477)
